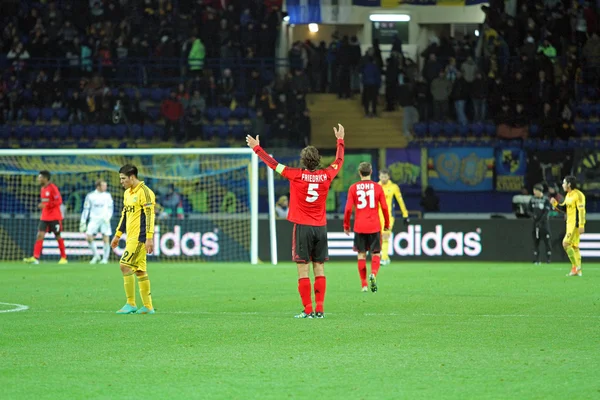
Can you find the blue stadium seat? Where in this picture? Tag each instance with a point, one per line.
(130, 92)
(19, 132)
(211, 114)
(463, 130)
(148, 132)
(35, 132)
(123, 145)
(239, 113)
(251, 113)
(62, 114)
(420, 129)
(238, 131)
(70, 93)
(47, 114)
(33, 114)
(119, 131)
(434, 129)
(580, 128)
(490, 129)
(544, 145)
(476, 129)
(105, 132)
(593, 128)
(61, 132)
(560, 145)
(223, 132)
(145, 93)
(449, 129)
(91, 132)
(5, 132)
(136, 131)
(114, 92)
(28, 95)
(595, 110)
(209, 131)
(77, 132)
(534, 130)
(584, 110)
(224, 113)
(157, 95)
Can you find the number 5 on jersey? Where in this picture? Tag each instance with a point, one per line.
(362, 198)
(313, 195)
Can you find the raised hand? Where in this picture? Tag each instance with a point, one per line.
(251, 142)
(339, 132)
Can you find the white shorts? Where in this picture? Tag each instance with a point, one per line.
(98, 225)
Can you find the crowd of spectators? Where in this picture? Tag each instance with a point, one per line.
(94, 57)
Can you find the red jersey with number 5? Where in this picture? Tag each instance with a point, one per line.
(367, 197)
(308, 189)
(52, 200)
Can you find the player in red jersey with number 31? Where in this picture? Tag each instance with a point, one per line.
(367, 196)
(309, 187)
(51, 219)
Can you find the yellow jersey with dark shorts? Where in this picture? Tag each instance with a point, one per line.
(137, 220)
(574, 205)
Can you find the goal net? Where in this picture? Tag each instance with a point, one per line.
(207, 201)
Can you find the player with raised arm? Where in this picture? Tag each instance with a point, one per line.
(98, 207)
(309, 187)
(137, 220)
(368, 199)
(574, 205)
(51, 219)
(391, 191)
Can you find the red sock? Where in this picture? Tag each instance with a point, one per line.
(37, 249)
(362, 271)
(305, 294)
(320, 287)
(61, 247)
(375, 262)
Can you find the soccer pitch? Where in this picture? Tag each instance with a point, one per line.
(225, 331)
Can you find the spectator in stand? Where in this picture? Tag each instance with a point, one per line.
(172, 111)
(172, 204)
(548, 122)
(344, 73)
(423, 96)
(460, 94)
(4, 107)
(197, 101)
(432, 69)
(566, 128)
(440, 92)
(196, 56)
(520, 89)
(392, 71)
(591, 59)
(451, 70)
(226, 88)
(430, 202)
(354, 61)
(543, 91)
(282, 207)
(566, 90)
(469, 70)
(183, 96)
(479, 95)
(193, 123)
(280, 131)
(299, 84)
(371, 75)
(258, 125)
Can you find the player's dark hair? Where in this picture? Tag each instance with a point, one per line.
(129, 170)
(365, 169)
(310, 158)
(571, 180)
(45, 174)
(539, 187)
(384, 171)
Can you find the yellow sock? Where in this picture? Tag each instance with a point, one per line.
(577, 256)
(571, 253)
(129, 281)
(144, 284)
(385, 245)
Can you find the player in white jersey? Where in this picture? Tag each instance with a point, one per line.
(98, 208)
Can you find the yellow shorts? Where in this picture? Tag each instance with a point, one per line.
(134, 255)
(572, 236)
(383, 223)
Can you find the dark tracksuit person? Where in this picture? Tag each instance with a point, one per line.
(539, 207)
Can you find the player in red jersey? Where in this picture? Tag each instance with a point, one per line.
(309, 187)
(51, 219)
(367, 196)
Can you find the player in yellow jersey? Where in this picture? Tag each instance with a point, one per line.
(391, 191)
(137, 220)
(574, 205)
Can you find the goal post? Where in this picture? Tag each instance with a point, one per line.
(207, 200)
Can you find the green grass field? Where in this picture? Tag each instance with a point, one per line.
(225, 331)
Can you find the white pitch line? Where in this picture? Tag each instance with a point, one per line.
(365, 314)
(18, 307)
